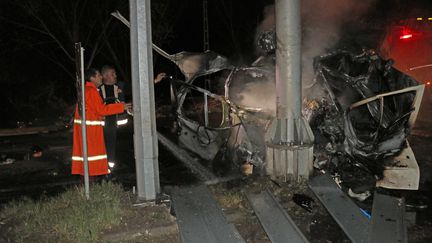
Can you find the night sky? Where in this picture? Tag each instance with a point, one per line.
(37, 37)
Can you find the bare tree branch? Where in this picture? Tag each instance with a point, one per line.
(115, 58)
(48, 31)
(229, 23)
(56, 62)
(63, 23)
(98, 41)
(24, 26)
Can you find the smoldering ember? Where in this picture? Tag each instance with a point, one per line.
(262, 121)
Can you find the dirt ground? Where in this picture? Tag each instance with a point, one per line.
(315, 224)
(155, 224)
(148, 222)
(145, 223)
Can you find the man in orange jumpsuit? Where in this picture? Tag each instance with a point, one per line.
(95, 111)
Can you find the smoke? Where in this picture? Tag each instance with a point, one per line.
(269, 20)
(322, 22)
(254, 89)
(268, 23)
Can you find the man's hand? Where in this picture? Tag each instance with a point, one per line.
(159, 77)
(129, 108)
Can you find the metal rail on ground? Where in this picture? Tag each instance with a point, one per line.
(199, 217)
(387, 224)
(275, 220)
(343, 210)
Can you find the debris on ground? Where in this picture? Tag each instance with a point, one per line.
(7, 161)
(36, 151)
(303, 201)
(359, 196)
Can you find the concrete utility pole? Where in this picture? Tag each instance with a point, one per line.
(289, 139)
(145, 135)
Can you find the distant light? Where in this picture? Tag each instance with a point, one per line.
(405, 36)
(428, 83)
(429, 18)
(419, 18)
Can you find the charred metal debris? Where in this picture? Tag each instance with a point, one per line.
(360, 108)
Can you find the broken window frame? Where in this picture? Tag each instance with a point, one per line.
(350, 132)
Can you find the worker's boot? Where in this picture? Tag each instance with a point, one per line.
(110, 170)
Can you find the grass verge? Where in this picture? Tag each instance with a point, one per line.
(68, 217)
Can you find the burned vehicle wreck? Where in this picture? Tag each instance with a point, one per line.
(359, 107)
(361, 110)
(228, 124)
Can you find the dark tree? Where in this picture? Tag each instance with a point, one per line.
(37, 45)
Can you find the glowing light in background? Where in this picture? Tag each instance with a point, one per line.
(407, 36)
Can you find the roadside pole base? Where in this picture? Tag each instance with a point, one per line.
(288, 163)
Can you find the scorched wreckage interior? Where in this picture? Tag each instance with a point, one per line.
(360, 108)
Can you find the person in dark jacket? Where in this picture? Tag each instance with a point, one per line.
(112, 92)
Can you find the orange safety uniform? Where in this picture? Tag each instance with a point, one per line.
(96, 152)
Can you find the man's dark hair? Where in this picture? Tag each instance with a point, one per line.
(89, 73)
(106, 68)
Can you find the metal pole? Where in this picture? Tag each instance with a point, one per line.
(288, 62)
(120, 17)
(83, 126)
(206, 121)
(145, 136)
(289, 138)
